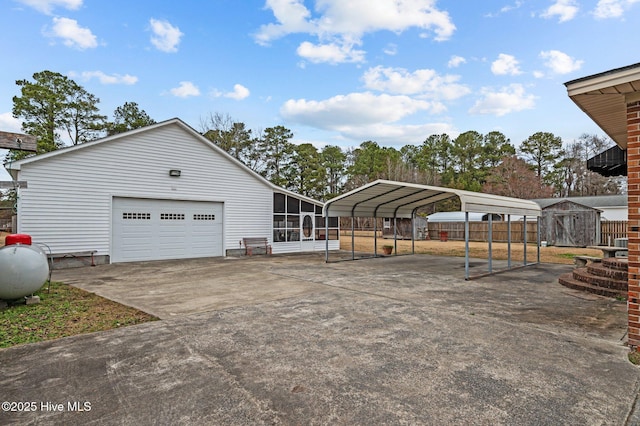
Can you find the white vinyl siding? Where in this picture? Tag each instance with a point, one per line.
(68, 202)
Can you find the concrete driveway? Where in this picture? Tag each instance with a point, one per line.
(292, 340)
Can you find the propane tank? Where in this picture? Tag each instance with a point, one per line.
(23, 267)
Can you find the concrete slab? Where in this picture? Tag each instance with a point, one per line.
(399, 340)
(178, 287)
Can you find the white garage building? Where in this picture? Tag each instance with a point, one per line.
(159, 192)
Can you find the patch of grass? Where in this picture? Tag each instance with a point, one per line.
(566, 255)
(634, 357)
(64, 311)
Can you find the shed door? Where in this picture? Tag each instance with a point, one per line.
(145, 229)
(564, 227)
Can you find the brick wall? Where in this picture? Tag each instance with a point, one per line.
(633, 164)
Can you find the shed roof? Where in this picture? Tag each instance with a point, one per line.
(562, 203)
(596, 201)
(384, 198)
(604, 97)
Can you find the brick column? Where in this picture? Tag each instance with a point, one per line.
(633, 227)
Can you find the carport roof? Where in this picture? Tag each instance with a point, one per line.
(384, 198)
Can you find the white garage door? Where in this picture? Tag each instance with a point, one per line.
(165, 229)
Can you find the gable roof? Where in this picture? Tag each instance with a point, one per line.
(604, 97)
(15, 166)
(385, 198)
(595, 202)
(571, 204)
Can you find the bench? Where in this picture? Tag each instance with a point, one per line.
(581, 261)
(256, 242)
(609, 251)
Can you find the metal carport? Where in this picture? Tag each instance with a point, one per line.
(390, 199)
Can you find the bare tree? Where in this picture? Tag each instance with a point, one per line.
(514, 178)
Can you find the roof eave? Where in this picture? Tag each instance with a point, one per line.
(603, 98)
(603, 80)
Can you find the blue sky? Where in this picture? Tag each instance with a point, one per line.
(335, 72)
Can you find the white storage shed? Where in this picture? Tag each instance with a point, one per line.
(160, 192)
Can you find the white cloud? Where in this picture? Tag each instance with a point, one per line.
(456, 61)
(165, 36)
(185, 89)
(47, 6)
(507, 100)
(391, 49)
(239, 92)
(292, 17)
(365, 116)
(358, 17)
(566, 10)
(423, 82)
(559, 62)
(331, 53)
(608, 9)
(510, 7)
(505, 65)
(340, 25)
(72, 34)
(397, 134)
(612, 8)
(9, 123)
(107, 79)
(354, 109)
(505, 9)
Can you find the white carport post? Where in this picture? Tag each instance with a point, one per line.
(375, 236)
(525, 239)
(538, 226)
(466, 245)
(326, 239)
(395, 234)
(353, 238)
(490, 238)
(509, 241)
(413, 233)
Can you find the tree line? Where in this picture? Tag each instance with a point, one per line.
(541, 166)
(53, 105)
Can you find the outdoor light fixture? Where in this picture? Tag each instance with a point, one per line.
(174, 172)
